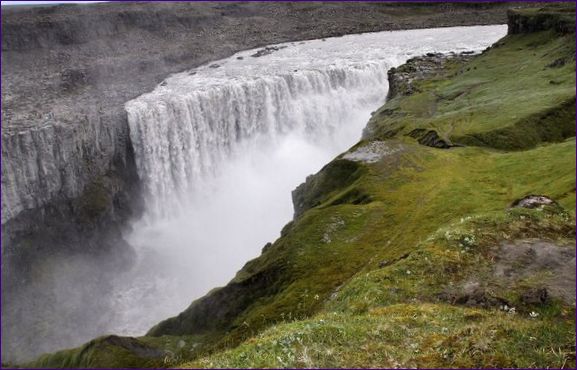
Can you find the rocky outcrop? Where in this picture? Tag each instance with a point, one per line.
(559, 17)
(534, 201)
(404, 79)
(430, 138)
(335, 175)
(89, 190)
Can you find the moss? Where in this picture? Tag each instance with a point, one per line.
(507, 98)
(335, 176)
(552, 125)
(406, 335)
(455, 256)
(123, 352)
(559, 17)
(109, 351)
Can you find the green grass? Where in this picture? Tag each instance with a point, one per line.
(393, 316)
(406, 335)
(501, 99)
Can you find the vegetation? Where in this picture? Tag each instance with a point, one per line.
(412, 259)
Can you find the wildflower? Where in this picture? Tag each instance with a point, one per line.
(408, 272)
(533, 314)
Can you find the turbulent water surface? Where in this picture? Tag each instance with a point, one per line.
(218, 150)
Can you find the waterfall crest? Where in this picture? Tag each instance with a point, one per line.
(184, 130)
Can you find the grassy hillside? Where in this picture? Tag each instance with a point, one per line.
(405, 254)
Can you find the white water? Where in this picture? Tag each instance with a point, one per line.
(220, 149)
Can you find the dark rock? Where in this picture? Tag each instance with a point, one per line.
(557, 17)
(430, 138)
(266, 247)
(266, 51)
(317, 188)
(214, 66)
(477, 297)
(73, 78)
(403, 78)
(557, 63)
(535, 296)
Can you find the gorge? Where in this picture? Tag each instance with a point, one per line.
(136, 220)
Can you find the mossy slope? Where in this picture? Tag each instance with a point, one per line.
(376, 269)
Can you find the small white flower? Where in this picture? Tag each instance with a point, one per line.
(533, 314)
(408, 272)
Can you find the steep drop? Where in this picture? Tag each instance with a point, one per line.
(219, 149)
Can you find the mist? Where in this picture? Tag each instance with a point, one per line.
(241, 209)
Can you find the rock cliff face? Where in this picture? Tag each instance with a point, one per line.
(57, 161)
(525, 21)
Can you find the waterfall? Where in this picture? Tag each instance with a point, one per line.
(220, 147)
(193, 122)
(181, 138)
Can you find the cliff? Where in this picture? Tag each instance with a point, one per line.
(408, 254)
(559, 17)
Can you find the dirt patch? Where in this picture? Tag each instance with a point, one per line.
(522, 273)
(373, 152)
(525, 258)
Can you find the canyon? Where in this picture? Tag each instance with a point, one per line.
(101, 164)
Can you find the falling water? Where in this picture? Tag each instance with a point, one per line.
(183, 134)
(220, 147)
